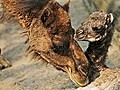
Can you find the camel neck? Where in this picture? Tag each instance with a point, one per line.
(97, 51)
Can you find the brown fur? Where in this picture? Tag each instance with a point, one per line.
(51, 35)
(98, 30)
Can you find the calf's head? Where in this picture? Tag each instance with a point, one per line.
(95, 27)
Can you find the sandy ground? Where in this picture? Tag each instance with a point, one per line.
(27, 73)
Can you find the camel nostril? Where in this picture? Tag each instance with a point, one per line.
(80, 31)
(79, 35)
(81, 69)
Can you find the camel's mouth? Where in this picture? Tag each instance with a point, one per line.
(95, 28)
(90, 38)
(79, 78)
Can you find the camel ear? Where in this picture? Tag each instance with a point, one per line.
(66, 6)
(111, 17)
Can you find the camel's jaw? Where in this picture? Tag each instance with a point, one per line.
(78, 77)
(95, 28)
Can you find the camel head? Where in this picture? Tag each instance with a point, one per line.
(50, 34)
(95, 27)
(58, 24)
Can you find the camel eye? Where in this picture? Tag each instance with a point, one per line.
(54, 32)
(45, 16)
(96, 30)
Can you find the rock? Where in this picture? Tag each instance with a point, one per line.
(109, 79)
